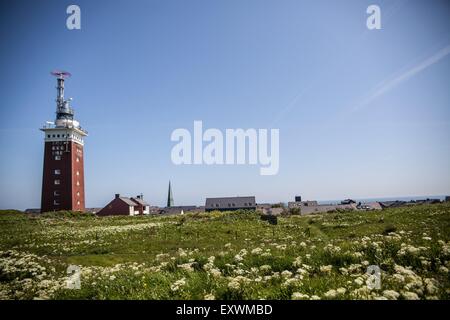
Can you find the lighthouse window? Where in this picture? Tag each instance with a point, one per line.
(57, 181)
(56, 202)
(56, 193)
(57, 157)
(78, 173)
(78, 183)
(78, 194)
(78, 159)
(78, 202)
(57, 171)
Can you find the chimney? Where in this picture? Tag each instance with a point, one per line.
(117, 195)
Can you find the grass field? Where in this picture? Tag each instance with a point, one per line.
(227, 255)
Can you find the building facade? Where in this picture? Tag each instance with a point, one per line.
(230, 203)
(63, 171)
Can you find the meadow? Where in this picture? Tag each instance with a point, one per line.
(228, 255)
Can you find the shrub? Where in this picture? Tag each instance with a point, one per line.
(388, 229)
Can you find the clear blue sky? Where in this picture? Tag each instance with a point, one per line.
(361, 113)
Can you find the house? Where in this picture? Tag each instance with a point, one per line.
(230, 203)
(124, 206)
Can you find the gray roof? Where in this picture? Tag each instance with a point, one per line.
(230, 202)
(140, 201)
(128, 201)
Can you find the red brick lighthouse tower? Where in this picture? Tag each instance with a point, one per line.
(63, 178)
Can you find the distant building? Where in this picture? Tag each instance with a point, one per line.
(230, 203)
(310, 207)
(179, 209)
(427, 201)
(123, 206)
(271, 209)
(447, 198)
(299, 204)
(263, 206)
(348, 201)
(392, 204)
(369, 206)
(154, 210)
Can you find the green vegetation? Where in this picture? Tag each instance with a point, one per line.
(232, 255)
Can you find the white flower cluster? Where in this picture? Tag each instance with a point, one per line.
(238, 282)
(29, 275)
(331, 294)
(240, 256)
(178, 285)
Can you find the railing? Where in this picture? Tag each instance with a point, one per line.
(68, 126)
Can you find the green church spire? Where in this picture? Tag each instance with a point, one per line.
(170, 197)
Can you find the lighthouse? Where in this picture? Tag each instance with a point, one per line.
(63, 174)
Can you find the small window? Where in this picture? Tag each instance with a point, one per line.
(48, 136)
(78, 173)
(78, 194)
(57, 135)
(78, 159)
(78, 202)
(57, 171)
(56, 202)
(53, 135)
(56, 193)
(78, 183)
(57, 181)
(57, 157)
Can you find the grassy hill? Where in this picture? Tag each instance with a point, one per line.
(231, 255)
